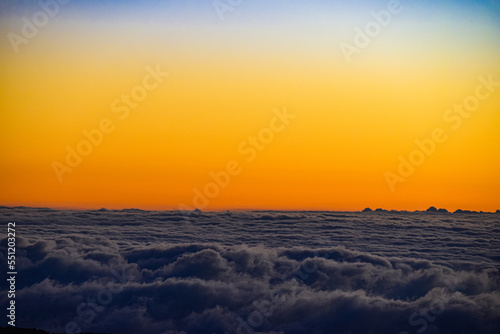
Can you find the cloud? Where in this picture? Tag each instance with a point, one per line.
(125, 284)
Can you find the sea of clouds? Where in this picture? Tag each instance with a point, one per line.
(133, 271)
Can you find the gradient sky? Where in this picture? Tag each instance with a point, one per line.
(353, 120)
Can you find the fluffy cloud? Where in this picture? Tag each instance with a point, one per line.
(123, 283)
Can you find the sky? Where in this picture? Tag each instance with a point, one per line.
(284, 105)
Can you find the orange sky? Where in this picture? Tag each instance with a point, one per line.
(228, 82)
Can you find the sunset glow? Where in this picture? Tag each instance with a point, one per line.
(336, 124)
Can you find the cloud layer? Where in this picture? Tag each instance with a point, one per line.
(113, 272)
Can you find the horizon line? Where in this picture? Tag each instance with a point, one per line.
(431, 209)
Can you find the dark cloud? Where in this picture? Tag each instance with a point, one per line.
(159, 277)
